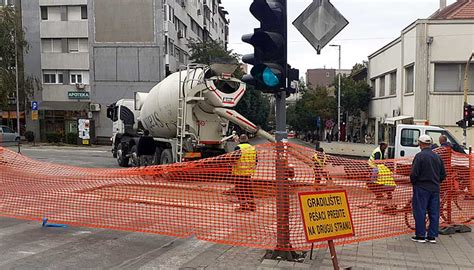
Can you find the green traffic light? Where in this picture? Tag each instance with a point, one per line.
(269, 78)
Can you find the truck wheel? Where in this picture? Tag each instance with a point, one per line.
(166, 157)
(122, 158)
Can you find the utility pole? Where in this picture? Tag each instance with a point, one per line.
(338, 96)
(16, 82)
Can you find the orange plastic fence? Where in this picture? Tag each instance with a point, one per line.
(206, 199)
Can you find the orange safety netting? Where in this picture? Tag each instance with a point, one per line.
(204, 198)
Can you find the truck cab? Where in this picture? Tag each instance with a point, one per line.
(403, 140)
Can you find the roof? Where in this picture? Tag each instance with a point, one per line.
(393, 120)
(461, 9)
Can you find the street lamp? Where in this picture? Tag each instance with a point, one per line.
(338, 95)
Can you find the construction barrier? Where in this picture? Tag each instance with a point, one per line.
(229, 199)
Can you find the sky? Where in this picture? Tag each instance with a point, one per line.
(372, 25)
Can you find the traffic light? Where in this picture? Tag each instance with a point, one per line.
(468, 116)
(270, 71)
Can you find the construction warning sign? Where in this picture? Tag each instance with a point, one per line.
(326, 215)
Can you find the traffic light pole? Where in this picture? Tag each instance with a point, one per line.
(283, 187)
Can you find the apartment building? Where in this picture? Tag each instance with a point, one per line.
(87, 54)
(58, 57)
(419, 76)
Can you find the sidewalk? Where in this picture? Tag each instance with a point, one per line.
(451, 252)
(26, 245)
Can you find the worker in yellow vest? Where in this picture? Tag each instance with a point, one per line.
(320, 162)
(382, 181)
(378, 154)
(243, 170)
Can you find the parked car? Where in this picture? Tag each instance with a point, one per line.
(8, 135)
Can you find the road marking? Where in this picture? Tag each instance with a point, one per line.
(67, 149)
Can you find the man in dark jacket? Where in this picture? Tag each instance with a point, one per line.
(426, 176)
(443, 142)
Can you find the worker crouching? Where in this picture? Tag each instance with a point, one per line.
(242, 171)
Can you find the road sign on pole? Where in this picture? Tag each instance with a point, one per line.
(320, 23)
(34, 105)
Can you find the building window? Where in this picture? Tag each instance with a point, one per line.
(44, 13)
(410, 79)
(372, 87)
(382, 86)
(76, 78)
(84, 12)
(73, 45)
(77, 45)
(53, 77)
(51, 45)
(449, 78)
(393, 83)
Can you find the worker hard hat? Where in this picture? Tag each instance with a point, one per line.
(425, 139)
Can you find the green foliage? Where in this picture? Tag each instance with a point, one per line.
(30, 136)
(358, 67)
(54, 137)
(209, 52)
(355, 96)
(12, 43)
(71, 138)
(256, 107)
(302, 115)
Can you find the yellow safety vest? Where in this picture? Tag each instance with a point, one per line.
(384, 176)
(247, 163)
(319, 161)
(372, 157)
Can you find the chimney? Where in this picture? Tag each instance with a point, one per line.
(442, 4)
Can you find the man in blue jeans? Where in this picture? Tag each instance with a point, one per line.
(427, 173)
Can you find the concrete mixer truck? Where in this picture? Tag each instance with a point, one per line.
(184, 117)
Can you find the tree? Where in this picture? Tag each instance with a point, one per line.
(209, 52)
(358, 67)
(355, 96)
(13, 43)
(253, 105)
(314, 103)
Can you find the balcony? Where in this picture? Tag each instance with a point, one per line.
(64, 29)
(65, 61)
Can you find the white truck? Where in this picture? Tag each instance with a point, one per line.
(187, 116)
(403, 139)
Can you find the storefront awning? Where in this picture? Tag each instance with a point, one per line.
(393, 120)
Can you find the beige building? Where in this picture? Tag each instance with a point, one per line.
(420, 74)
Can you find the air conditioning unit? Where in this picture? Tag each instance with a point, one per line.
(180, 34)
(94, 107)
(80, 86)
(396, 112)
